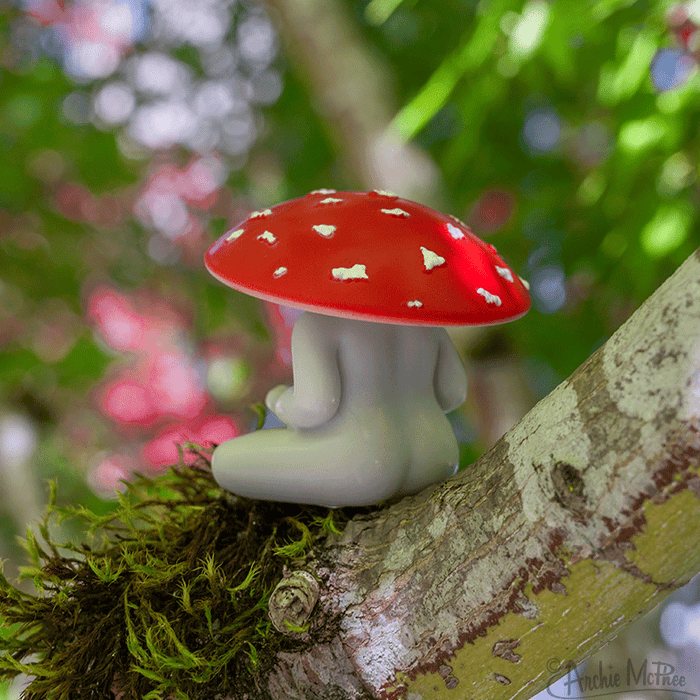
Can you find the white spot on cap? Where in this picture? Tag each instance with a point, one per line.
(267, 236)
(384, 193)
(505, 273)
(455, 232)
(490, 298)
(234, 234)
(492, 248)
(415, 302)
(356, 272)
(260, 214)
(324, 229)
(330, 200)
(526, 284)
(395, 212)
(322, 191)
(430, 259)
(279, 272)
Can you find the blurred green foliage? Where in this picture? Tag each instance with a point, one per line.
(618, 226)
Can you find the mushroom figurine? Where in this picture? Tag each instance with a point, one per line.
(374, 371)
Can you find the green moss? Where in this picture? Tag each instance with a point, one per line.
(168, 598)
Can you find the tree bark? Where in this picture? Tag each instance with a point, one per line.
(580, 519)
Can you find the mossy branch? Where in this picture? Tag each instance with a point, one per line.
(169, 599)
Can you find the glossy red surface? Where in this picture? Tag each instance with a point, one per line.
(420, 266)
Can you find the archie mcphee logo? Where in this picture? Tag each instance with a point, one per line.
(597, 680)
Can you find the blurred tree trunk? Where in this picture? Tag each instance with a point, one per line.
(499, 394)
(351, 87)
(580, 519)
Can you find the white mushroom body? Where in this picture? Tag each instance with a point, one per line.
(366, 417)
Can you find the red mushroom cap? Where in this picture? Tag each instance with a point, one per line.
(370, 256)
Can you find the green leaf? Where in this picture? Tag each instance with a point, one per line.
(475, 50)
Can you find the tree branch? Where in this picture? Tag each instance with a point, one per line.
(579, 520)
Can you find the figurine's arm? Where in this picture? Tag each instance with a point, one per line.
(450, 375)
(315, 396)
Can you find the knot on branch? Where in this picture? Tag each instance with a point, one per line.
(570, 490)
(292, 601)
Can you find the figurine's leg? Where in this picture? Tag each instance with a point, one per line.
(434, 448)
(337, 469)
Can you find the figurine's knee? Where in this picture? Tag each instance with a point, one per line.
(230, 463)
(257, 465)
